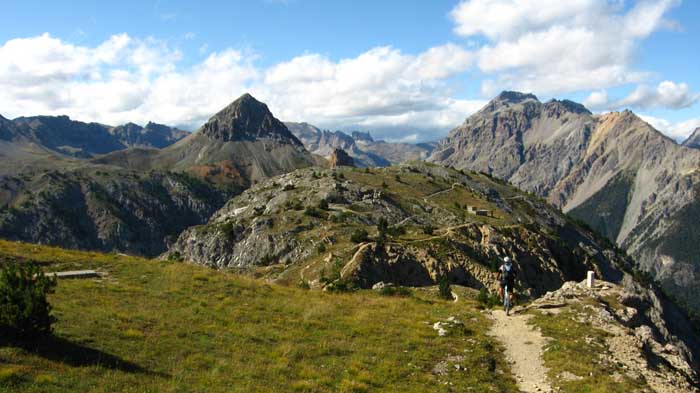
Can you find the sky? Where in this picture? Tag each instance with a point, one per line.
(407, 70)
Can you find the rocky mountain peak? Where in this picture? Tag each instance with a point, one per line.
(340, 158)
(693, 140)
(566, 106)
(362, 136)
(514, 97)
(246, 119)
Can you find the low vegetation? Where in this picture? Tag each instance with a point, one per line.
(574, 358)
(164, 326)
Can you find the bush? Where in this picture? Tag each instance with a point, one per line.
(428, 230)
(395, 291)
(323, 204)
(303, 284)
(359, 236)
(488, 300)
(313, 212)
(24, 310)
(444, 289)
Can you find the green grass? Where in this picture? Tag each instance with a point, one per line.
(159, 326)
(575, 347)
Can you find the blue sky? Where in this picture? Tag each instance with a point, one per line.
(406, 70)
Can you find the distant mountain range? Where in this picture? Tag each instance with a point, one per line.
(78, 139)
(87, 185)
(613, 171)
(365, 151)
(75, 184)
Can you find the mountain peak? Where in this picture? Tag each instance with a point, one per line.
(515, 97)
(569, 106)
(693, 140)
(246, 119)
(362, 136)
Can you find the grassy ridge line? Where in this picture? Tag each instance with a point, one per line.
(157, 326)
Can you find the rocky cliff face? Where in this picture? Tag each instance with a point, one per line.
(613, 171)
(96, 208)
(247, 119)
(365, 151)
(340, 158)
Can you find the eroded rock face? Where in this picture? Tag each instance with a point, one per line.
(340, 158)
(613, 171)
(104, 209)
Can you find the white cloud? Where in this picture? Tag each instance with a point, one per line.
(128, 79)
(381, 88)
(551, 46)
(597, 99)
(123, 79)
(677, 130)
(666, 94)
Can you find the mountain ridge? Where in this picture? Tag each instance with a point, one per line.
(365, 150)
(640, 177)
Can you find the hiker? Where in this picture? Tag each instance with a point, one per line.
(507, 275)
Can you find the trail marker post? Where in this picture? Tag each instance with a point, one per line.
(590, 279)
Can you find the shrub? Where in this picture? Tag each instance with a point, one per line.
(428, 229)
(288, 187)
(24, 310)
(323, 204)
(340, 285)
(303, 284)
(313, 212)
(359, 236)
(382, 228)
(321, 248)
(444, 289)
(339, 217)
(395, 291)
(487, 299)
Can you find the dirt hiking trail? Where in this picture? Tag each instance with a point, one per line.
(523, 347)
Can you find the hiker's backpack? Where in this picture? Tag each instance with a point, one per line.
(508, 271)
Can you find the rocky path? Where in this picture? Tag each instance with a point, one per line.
(523, 347)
